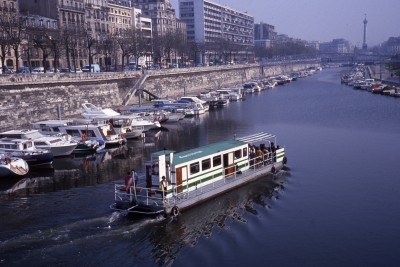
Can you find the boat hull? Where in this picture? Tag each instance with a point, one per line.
(133, 208)
(61, 151)
(38, 159)
(14, 167)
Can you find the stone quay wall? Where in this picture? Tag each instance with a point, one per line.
(33, 97)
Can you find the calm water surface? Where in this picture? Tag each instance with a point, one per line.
(336, 205)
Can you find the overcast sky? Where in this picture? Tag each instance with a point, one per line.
(324, 20)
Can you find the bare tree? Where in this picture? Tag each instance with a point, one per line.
(123, 39)
(16, 32)
(107, 47)
(6, 25)
(69, 39)
(55, 40)
(4, 47)
(139, 44)
(39, 37)
(91, 44)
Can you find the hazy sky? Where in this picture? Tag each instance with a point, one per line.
(324, 20)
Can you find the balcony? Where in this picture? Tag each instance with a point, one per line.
(72, 8)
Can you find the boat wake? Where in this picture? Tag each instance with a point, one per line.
(59, 239)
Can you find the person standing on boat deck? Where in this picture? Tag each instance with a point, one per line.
(259, 155)
(163, 186)
(131, 178)
(168, 170)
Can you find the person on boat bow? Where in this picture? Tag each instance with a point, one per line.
(131, 178)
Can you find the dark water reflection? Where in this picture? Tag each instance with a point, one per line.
(335, 206)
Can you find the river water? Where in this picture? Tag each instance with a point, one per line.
(335, 205)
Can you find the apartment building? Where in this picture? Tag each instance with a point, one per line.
(120, 15)
(264, 35)
(162, 15)
(208, 22)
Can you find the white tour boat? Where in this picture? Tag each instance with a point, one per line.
(198, 174)
(101, 132)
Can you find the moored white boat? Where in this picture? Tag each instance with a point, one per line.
(91, 111)
(52, 127)
(25, 149)
(101, 132)
(58, 145)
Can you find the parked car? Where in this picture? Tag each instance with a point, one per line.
(24, 70)
(77, 70)
(53, 70)
(131, 66)
(65, 70)
(95, 68)
(38, 70)
(7, 71)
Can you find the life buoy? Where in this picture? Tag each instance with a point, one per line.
(123, 136)
(284, 160)
(175, 211)
(154, 169)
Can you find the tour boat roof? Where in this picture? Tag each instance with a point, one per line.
(204, 151)
(256, 137)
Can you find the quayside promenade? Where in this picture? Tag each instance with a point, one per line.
(25, 98)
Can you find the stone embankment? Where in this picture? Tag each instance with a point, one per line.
(381, 73)
(26, 98)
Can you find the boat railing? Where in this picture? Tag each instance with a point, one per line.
(143, 195)
(257, 164)
(181, 193)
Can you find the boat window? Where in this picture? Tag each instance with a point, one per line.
(206, 164)
(194, 168)
(245, 152)
(217, 161)
(238, 154)
(40, 143)
(90, 133)
(73, 132)
(14, 147)
(45, 128)
(56, 129)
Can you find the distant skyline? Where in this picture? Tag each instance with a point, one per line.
(322, 20)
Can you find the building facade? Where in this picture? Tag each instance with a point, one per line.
(87, 29)
(162, 14)
(337, 46)
(264, 35)
(210, 23)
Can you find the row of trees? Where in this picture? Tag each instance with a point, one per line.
(67, 45)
